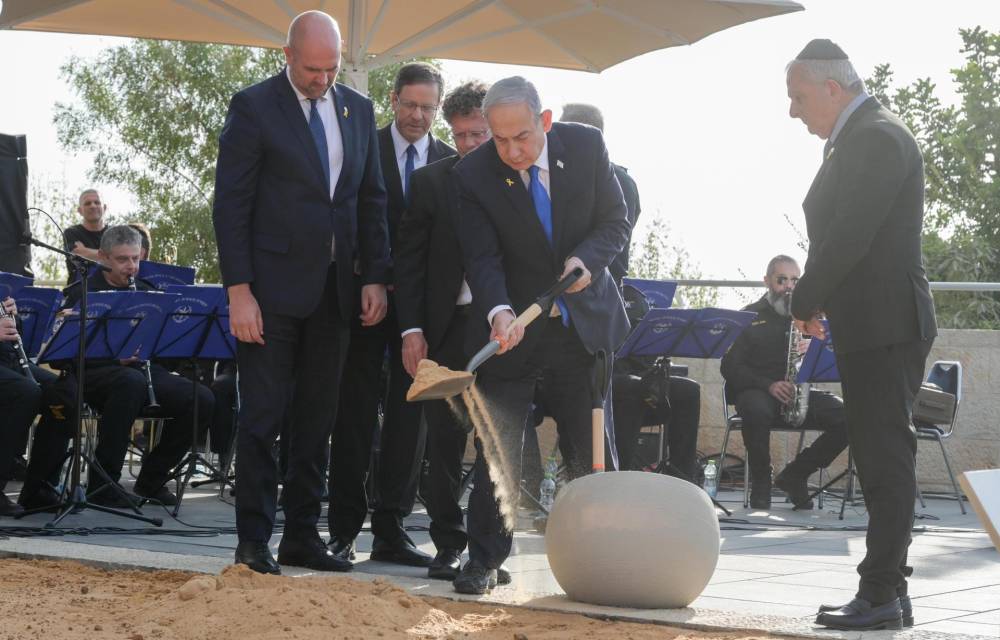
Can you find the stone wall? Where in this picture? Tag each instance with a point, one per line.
(974, 445)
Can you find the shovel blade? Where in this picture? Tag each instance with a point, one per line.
(435, 382)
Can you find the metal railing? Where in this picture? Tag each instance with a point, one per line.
(978, 287)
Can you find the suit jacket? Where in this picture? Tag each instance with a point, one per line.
(619, 267)
(273, 215)
(864, 216)
(394, 183)
(427, 256)
(509, 260)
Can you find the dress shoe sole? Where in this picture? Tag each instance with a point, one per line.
(471, 590)
(309, 563)
(261, 569)
(442, 573)
(885, 625)
(392, 558)
(824, 608)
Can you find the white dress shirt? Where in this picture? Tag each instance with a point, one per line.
(400, 145)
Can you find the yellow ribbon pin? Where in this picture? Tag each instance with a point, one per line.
(346, 112)
(510, 183)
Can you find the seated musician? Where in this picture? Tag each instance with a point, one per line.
(118, 391)
(755, 370)
(20, 399)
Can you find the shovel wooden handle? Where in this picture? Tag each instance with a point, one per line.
(597, 433)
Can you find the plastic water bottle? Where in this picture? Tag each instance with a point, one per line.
(547, 489)
(711, 478)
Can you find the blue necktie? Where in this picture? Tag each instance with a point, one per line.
(319, 137)
(411, 155)
(543, 208)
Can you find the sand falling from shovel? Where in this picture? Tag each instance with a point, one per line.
(505, 490)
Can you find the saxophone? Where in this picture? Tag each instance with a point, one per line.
(794, 413)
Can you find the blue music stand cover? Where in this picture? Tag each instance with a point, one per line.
(819, 364)
(197, 326)
(162, 275)
(36, 306)
(120, 325)
(11, 283)
(659, 293)
(686, 333)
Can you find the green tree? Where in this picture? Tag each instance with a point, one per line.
(653, 257)
(51, 195)
(961, 148)
(151, 112)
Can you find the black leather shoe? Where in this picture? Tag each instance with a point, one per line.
(445, 565)
(905, 607)
(8, 507)
(475, 579)
(796, 487)
(43, 498)
(343, 549)
(503, 575)
(311, 553)
(402, 551)
(163, 495)
(860, 615)
(257, 556)
(108, 496)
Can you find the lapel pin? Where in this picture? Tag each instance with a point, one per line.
(346, 112)
(830, 152)
(559, 163)
(510, 183)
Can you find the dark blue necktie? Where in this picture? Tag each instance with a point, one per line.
(411, 155)
(543, 208)
(319, 137)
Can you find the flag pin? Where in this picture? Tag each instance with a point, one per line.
(559, 163)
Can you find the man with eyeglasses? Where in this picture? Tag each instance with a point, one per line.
(434, 300)
(754, 369)
(405, 145)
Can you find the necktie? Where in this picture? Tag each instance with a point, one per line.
(543, 208)
(319, 137)
(411, 154)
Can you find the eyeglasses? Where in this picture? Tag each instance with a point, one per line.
(470, 135)
(426, 109)
(783, 279)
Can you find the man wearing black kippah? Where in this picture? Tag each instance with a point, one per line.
(864, 214)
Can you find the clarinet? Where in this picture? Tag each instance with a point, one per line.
(22, 358)
(153, 404)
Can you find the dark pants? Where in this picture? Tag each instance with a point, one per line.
(446, 441)
(401, 439)
(761, 411)
(302, 359)
(879, 387)
(567, 368)
(223, 417)
(20, 399)
(175, 395)
(682, 417)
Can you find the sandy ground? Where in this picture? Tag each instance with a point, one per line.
(65, 599)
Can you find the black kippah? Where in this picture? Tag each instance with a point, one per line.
(822, 49)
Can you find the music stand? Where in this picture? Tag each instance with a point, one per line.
(36, 306)
(819, 365)
(686, 333)
(162, 275)
(93, 340)
(659, 294)
(195, 328)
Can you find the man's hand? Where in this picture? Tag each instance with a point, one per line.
(10, 306)
(77, 247)
(373, 304)
(245, 321)
(783, 390)
(509, 335)
(8, 330)
(414, 350)
(812, 327)
(583, 282)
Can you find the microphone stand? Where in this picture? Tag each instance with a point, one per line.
(75, 498)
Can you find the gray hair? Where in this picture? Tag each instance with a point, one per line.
(117, 236)
(840, 71)
(513, 90)
(583, 113)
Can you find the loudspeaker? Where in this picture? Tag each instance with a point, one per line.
(15, 254)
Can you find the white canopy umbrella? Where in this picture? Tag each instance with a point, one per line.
(585, 35)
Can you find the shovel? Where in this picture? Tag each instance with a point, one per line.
(598, 391)
(440, 382)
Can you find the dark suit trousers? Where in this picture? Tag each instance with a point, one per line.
(632, 413)
(567, 368)
(19, 403)
(761, 411)
(446, 440)
(879, 387)
(175, 394)
(302, 360)
(401, 440)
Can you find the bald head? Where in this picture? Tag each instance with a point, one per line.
(313, 52)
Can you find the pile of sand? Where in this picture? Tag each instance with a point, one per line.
(67, 600)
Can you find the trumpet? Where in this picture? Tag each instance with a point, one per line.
(794, 413)
(22, 358)
(150, 392)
